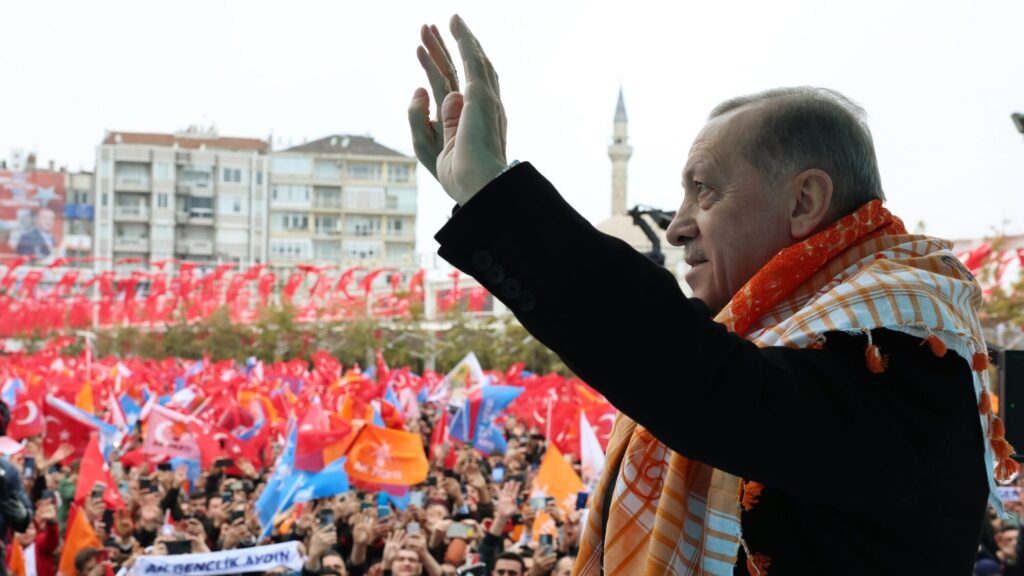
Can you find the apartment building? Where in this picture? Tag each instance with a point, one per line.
(192, 195)
(342, 200)
(79, 217)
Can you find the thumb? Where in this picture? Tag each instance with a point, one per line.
(451, 112)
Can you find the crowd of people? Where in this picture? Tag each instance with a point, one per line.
(473, 515)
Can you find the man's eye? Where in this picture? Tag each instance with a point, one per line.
(700, 187)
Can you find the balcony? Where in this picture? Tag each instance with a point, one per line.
(129, 183)
(131, 244)
(194, 247)
(129, 213)
(327, 204)
(198, 189)
(328, 231)
(196, 217)
(400, 236)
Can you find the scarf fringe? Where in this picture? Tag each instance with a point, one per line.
(757, 565)
(750, 494)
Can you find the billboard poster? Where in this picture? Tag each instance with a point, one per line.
(31, 214)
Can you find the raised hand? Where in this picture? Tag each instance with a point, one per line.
(391, 547)
(464, 146)
(507, 505)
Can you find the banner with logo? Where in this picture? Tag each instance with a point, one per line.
(238, 561)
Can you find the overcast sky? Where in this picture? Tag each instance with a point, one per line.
(939, 81)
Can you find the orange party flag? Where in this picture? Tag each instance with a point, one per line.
(80, 536)
(384, 456)
(16, 558)
(556, 478)
(83, 399)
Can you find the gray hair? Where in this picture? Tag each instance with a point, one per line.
(807, 127)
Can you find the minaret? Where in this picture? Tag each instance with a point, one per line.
(619, 152)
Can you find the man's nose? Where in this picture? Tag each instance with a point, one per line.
(683, 227)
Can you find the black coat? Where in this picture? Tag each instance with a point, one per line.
(864, 473)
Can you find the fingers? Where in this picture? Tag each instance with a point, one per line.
(478, 67)
(438, 82)
(425, 140)
(454, 77)
(451, 112)
(437, 63)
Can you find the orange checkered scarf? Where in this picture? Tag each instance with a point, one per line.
(673, 515)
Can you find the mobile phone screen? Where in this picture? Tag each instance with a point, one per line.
(416, 498)
(581, 500)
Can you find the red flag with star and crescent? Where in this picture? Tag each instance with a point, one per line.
(27, 416)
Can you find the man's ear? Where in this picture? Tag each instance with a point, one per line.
(811, 202)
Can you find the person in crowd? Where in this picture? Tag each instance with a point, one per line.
(15, 508)
(89, 562)
(40, 541)
(564, 566)
(509, 564)
(822, 340)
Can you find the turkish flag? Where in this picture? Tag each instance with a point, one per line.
(322, 438)
(92, 470)
(61, 429)
(26, 417)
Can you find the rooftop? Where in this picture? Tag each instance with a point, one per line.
(346, 144)
(188, 141)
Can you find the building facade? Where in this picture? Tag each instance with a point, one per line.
(79, 217)
(342, 200)
(192, 196)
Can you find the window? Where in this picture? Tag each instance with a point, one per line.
(330, 225)
(398, 172)
(198, 207)
(104, 200)
(231, 204)
(327, 250)
(291, 165)
(361, 250)
(162, 171)
(327, 197)
(199, 177)
(290, 194)
(329, 170)
(401, 199)
(259, 177)
(131, 174)
(399, 227)
(399, 253)
(362, 226)
(365, 198)
(364, 171)
(289, 221)
(286, 249)
(231, 175)
(162, 232)
(162, 201)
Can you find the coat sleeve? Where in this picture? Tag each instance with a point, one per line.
(787, 418)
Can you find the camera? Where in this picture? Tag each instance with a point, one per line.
(1018, 121)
